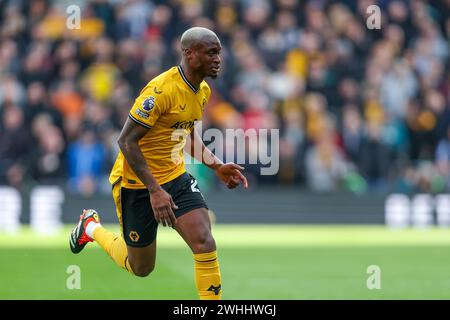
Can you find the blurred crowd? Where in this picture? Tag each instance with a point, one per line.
(358, 109)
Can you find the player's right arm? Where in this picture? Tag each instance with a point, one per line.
(161, 202)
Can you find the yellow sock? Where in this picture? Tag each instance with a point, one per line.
(207, 276)
(114, 246)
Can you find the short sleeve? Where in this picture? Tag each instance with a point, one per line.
(148, 107)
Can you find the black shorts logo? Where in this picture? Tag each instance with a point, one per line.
(134, 236)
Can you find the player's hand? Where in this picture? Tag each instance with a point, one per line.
(230, 174)
(162, 204)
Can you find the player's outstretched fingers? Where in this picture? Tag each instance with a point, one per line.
(234, 180)
(166, 220)
(236, 166)
(161, 215)
(168, 216)
(232, 183)
(163, 220)
(172, 216)
(156, 215)
(241, 178)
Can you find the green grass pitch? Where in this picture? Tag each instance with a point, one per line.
(257, 262)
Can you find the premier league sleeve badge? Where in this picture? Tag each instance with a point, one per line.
(148, 103)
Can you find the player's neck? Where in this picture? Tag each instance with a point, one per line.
(191, 76)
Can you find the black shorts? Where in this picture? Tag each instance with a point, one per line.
(139, 227)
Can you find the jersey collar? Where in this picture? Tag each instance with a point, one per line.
(190, 85)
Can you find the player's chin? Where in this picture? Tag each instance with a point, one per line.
(213, 73)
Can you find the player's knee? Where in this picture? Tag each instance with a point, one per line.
(204, 243)
(142, 270)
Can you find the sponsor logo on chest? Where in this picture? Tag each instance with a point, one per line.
(185, 124)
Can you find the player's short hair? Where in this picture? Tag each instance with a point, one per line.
(193, 36)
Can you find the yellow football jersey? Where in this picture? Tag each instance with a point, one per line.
(168, 106)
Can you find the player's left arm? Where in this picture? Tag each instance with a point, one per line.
(229, 173)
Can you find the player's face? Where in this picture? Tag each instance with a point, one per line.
(208, 58)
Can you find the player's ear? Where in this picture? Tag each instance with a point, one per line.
(187, 52)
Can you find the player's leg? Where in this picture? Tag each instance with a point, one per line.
(89, 229)
(142, 260)
(137, 252)
(114, 245)
(139, 261)
(139, 230)
(195, 228)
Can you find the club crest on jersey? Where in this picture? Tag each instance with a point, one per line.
(148, 104)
